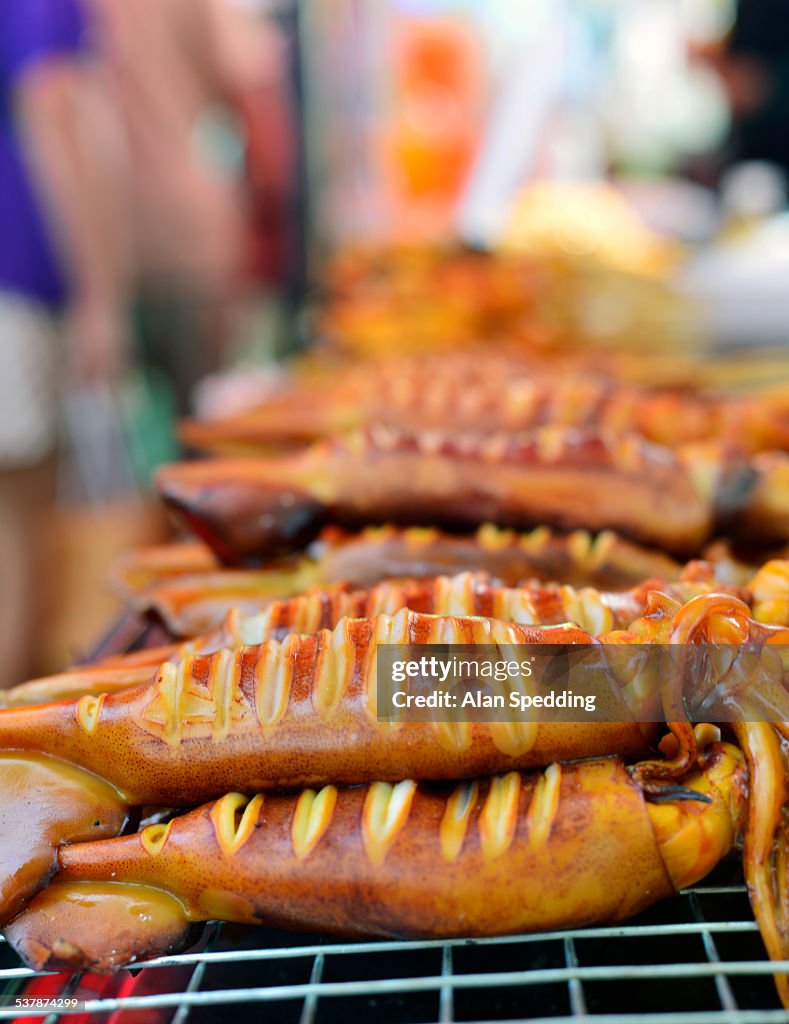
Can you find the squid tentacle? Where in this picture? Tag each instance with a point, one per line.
(765, 852)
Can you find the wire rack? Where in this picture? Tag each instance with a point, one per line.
(697, 958)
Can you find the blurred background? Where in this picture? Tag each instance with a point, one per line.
(197, 196)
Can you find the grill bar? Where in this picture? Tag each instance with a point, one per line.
(429, 983)
(575, 986)
(599, 975)
(725, 994)
(311, 1002)
(339, 949)
(447, 1002)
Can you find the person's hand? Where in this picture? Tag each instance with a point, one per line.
(97, 342)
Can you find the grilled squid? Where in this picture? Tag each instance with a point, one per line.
(193, 603)
(244, 508)
(490, 395)
(299, 712)
(467, 594)
(182, 582)
(576, 844)
(304, 711)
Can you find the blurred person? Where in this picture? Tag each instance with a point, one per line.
(754, 67)
(199, 85)
(63, 263)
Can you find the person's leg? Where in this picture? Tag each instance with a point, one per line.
(28, 423)
(26, 502)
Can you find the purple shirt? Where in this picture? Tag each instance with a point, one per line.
(30, 31)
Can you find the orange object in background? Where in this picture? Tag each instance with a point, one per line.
(79, 542)
(436, 98)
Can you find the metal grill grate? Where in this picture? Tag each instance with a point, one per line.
(697, 959)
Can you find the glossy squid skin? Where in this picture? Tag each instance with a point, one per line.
(245, 508)
(304, 711)
(493, 395)
(187, 602)
(81, 682)
(466, 594)
(46, 803)
(299, 713)
(257, 621)
(606, 560)
(100, 926)
(135, 571)
(507, 854)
